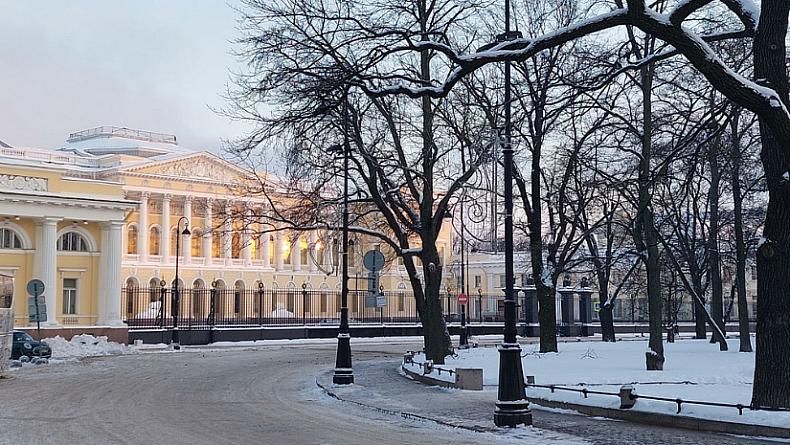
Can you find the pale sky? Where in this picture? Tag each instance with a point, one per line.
(69, 65)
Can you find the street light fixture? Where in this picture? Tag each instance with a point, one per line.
(512, 408)
(344, 373)
(176, 296)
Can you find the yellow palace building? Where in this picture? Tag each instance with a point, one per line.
(104, 213)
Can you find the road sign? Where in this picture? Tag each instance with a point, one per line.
(373, 260)
(381, 300)
(463, 299)
(35, 287)
(36, 312)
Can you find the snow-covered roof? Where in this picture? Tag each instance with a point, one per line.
(106, 140)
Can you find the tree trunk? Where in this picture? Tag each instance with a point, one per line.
(700, 320)
(547, 317)
(607, 323)
(646, 230)
(772, 368)
(740, 244)
(714, 267)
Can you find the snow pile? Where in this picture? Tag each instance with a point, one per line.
(85, 345)
(694, 370)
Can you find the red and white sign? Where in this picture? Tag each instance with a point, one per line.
(463, 299)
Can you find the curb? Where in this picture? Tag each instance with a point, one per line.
(667, 420)
(405, 414)
(636, 416)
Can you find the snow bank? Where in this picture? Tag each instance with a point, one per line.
(694, 370)
(85, 345)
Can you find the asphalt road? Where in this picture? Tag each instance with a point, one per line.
(261, 396)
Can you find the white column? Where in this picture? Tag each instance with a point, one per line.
(186, 240)
(142, 228)
(296, 254)
(109, 301)
(164, 242)
(45, 264)
(278, 251)
(266, 246)
(313, 256)
(228, 238)
(207, 233)
(246, 239)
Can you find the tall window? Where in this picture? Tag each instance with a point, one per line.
(216, 244)
(235, 245)
(478, 280)
(173, 240)
(303, 252)
(287, 251)
(271, 249)
(153, 241)
(9, 239)
(72, 242)
(131, 240)
(154, 289)
(197, 243)
(69, 296)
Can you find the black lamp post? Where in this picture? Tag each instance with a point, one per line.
(176, 296)
(344, 373)
(479, 305)
(304, 303)
(512, 408)
(449, 313)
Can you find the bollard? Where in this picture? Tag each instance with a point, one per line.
(530, 380)
(627, 397)
(427, 367)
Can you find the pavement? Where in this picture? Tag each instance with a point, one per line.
(381, 386)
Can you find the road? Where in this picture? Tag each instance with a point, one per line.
(262, 396)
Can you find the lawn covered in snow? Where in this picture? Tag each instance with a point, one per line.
(694, 370)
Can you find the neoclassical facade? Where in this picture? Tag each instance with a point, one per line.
(108, 210)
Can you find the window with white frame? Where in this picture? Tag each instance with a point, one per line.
(69, 296)
(72, 242)
(9, 239)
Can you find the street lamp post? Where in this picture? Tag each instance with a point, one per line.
(304, 303)
(512, 408)
(344, 373)
(176, 296)
(449, 314)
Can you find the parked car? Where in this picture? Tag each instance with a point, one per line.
(25, 345)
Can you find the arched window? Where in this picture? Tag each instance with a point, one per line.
(72, 242)
(153, 241)
(198, 293)
(303, 252)
(9, 239)
(197, 243)
(132, 292)
(238, 293)
(291, 303)
(324, 298)
(131, 240)
(154, 289)
(222, 300)
(286, 251)
(235, 245)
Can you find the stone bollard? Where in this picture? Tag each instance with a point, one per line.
(627, 397)
(469, 378)
(530, 380)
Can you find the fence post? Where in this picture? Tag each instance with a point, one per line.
(304, 304)
(260, 303)
(162, 301)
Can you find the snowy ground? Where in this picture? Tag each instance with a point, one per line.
(694, 370)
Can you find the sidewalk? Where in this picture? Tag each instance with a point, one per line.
(380, 386)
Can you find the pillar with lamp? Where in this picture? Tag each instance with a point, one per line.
(176, 297)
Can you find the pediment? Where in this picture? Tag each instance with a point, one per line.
(203, 166)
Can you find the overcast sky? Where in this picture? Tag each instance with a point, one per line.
(68, 65)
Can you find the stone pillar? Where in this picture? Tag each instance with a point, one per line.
(142, 228)
(278, 251)
(246, 239)
(585, 307)
(208, 235)
(164, 242)
(109, 299)
(313, 256)
(530, 302)
(566, 307)
(296, 255)
(46, 262)
(266, 246)
(186, 240)
(227, 248)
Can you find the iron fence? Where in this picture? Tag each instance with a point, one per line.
(198, 308)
